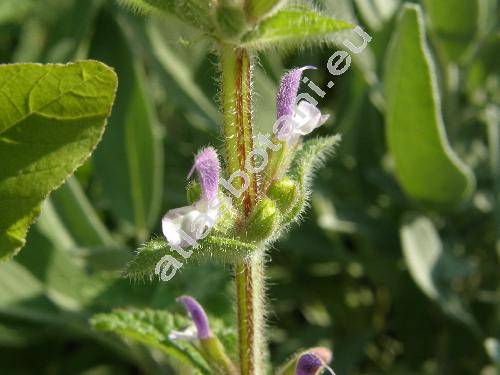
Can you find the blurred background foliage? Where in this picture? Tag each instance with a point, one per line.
(392, 285)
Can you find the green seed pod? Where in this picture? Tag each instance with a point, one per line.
(284, 192)
(258, 9)
(193, 191)
(231, 19)
(263, 221)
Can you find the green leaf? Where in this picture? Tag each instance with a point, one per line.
(152, 327)
(433, 269)
(194, 12)
(291, 26)
(61, 28)
(79, 216)
(492, 347)
(129, 163)
(14, 10)
(180, 78)
(307, 160)
(377, 12)
(220, 248)
(454, 22)
(426, 166)
(53, 116)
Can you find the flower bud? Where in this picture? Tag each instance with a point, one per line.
(308, 364)
(211, 347)
(262, 221)
(230, 18)
(198, 316)
(284, 192)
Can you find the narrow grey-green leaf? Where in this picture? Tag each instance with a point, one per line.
(52, 118)
(180, 79)
(432, 268)
(425, 165)
(291, 26)
(454, 22)
(194, 12)
(152, 328)
(129, 163)
(61, 27)
(79, 216)
(14, 10)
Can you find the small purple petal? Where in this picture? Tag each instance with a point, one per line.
(198, 316)
(207, 167)
(322, 353)
(287, 92)
(308, 364)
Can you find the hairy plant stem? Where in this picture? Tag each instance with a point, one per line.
(236, 69)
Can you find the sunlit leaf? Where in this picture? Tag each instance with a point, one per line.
(52, 118)
(425, 165)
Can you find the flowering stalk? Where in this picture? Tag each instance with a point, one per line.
(236, 69)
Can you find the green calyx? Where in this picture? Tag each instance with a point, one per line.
(284, 192)
(263, 221)
(215, 354)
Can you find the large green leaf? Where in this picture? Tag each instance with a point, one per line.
(291, 26)
(426, 166)
(454, 22)
(130, 162)
(53, 116)
(433, 268)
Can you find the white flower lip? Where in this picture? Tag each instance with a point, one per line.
(305, 119)
(184, 226)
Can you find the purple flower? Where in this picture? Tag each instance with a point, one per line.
(207, 167)
(185, 225)
(308, 364)
(295, 119)
(287, 92)
(199, 318)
